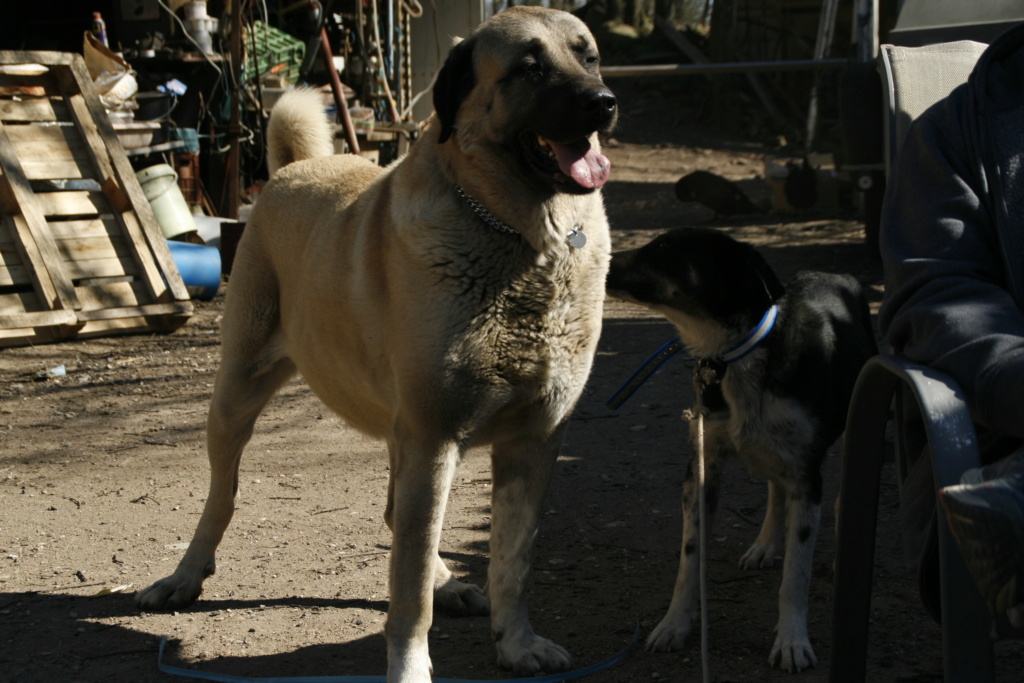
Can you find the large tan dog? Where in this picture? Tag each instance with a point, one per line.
(445, 302)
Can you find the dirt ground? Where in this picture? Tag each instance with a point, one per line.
(103, 476)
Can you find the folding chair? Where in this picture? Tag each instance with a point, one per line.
(914, 79)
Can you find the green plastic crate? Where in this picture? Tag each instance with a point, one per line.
(273, 47)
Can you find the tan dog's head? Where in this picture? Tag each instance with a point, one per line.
(525, 89)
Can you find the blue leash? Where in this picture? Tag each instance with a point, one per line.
(228, 678)
(650, 366)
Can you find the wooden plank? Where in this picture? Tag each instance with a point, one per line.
(76, 249)
(12, 272)
(12, 269)
(7, 241)
(109, 161)
(174, 308)
(72, 203)
(157, 323)
(32, 236)
(95, 124)
(101, 268)
(58, 141)
(104, 328)
(115, 196)
(15, 276)
(25, 84)
(36, 318)
(46, 169)
(86, 227)
(90, 248)
(50, 151)
(19, 326)
(112, 295)
(75, 241)
(46, 58)
(18, 302)
(36, 109)
(96, 229)
(21, 336)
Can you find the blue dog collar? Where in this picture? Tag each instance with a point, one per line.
(754, 339)
(652, 364)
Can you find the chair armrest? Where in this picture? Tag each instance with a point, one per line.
(947, 419)
(953, 444)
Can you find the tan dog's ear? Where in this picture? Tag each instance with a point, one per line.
(453, 84)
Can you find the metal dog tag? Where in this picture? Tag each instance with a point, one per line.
(577, 239)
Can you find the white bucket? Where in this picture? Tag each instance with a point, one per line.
(160, 185)
(195, 10)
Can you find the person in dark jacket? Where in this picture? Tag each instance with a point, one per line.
(952, 242)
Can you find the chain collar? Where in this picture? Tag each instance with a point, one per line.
(576, 237)
(483, 214)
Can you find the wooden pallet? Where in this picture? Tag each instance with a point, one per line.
(81, 253)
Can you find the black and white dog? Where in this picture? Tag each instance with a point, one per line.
(776, 368)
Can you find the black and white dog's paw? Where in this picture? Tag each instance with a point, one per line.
(792, 650)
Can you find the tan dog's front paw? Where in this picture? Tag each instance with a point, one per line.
(758, 556)
(534, 656)
(670, 634)
(172, 592)
(458, 599)
(409, 663)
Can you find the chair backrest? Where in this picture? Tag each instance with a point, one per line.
(915, 78)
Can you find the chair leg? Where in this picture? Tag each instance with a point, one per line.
(863, 453)
(968, 654)
(967, 641)
(967, 646)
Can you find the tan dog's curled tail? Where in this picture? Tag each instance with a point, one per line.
(298, 129)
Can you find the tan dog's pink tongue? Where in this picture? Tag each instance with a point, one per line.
(581, 162)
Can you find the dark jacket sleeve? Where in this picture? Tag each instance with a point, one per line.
(947, 303)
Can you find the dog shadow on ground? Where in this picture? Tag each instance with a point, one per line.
(106, 638)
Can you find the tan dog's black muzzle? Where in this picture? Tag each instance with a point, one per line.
(601, 106)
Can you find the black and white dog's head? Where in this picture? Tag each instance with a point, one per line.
(713, 288)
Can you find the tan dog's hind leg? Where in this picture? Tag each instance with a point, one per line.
(252, 369)
(421, 478)
(233, 412)
(521, 474)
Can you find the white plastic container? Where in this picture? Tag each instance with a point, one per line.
(160, 185)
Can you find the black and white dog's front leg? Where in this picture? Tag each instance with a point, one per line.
(677, 623)
(792, 649)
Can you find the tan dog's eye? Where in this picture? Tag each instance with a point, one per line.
(532, 70)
